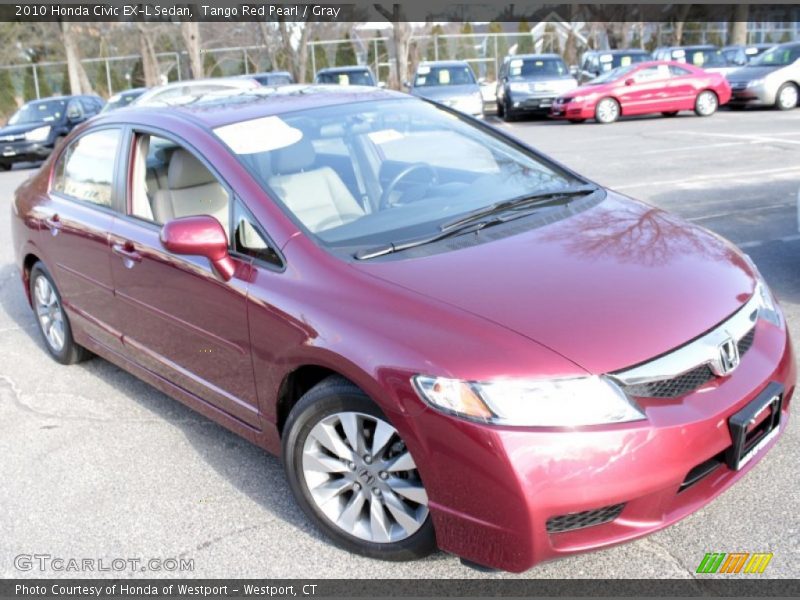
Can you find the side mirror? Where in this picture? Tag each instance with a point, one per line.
(481, 80)
(407, 85)
(573, 70)
(630, 81)
(73, 117)
(200, 235)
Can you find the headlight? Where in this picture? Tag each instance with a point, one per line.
(755, 82)
(584, 97)
(39, 134)
(521, 402)
(768, 308)
(518, 87)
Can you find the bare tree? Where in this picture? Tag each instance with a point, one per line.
(190, 32)
(147, 46)
(683, 13)
(78, 80)
(741, 13)
(401, 35)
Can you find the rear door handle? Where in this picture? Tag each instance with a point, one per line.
(129, 256)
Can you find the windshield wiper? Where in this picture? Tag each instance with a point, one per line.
(520, 202)
(479, 219)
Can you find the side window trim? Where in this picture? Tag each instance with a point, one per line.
(114, 207)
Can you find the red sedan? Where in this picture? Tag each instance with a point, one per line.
(665, 87)
(450, 339)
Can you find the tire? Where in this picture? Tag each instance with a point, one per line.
(576, 120)
(508, 114)
(786, 97)
(5, 166)
(706, 103)
(52, 320)
(607, 111)
(500, 110)
(345, 475)
(670, 113)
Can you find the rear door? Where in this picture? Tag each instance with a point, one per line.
(78, 215)
(180, 320)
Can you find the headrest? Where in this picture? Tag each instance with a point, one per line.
(294, 158)
(186, 171)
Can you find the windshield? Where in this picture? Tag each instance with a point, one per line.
(705, 58)
(612, 75)
(612, 61)
(121, 101)
(38, 112)
(371, 173)
(438, 76)
(346, 78)
(536, 68)
(779, 56)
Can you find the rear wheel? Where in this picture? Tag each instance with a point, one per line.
(607, 111)
(352, 474)
(508, 112)
(670, 113)
(786, 98)
(500, 110)
(52, 320)
(706, 103)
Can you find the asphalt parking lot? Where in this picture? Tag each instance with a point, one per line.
(96, 464)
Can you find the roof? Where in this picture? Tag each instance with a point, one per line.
(534, 56)
(619, 51)
(444, 63)
(217, 109)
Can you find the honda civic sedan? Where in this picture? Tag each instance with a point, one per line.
(451, 340)
(644, 88)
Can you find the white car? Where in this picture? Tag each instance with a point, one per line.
(180, 92)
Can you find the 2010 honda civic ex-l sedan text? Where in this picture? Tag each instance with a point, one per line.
(450, 339)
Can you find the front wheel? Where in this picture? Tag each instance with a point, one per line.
(786, 98)
(706, 104)
(52, 320)
(352, 474)
(607, 111)
(5, 166)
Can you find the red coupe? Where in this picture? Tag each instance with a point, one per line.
(664, 87)
(451, 339)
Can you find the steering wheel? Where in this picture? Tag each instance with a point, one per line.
(387, 191)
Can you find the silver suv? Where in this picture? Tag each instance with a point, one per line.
(771, 79)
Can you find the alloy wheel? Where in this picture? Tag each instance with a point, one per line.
(787, 97)
(49, 313)
(362, 477)
(706, 104)
(607, 111)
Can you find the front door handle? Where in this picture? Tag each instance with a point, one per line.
(126, 251)
(53, 223)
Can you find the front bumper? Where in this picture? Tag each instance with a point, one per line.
(572, 110)
(531, 103)
(759, 95)
(492, 490)
(24, 151)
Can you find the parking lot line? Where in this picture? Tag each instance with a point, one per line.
(753, 138)
(739, 211)
(700, 178)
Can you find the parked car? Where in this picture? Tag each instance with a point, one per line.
(179, 92)
(740, 55)
(448, 82)
(529, 83)
(272, 78)
(705, 56)
(353, 75)
(448, 337)
(596, 62)
(38, 126)
(771, 79)
(651, 87)
(123, 99)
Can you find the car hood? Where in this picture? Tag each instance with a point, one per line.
(750, 73)
(20, 129)
(610, 287)
(446, 91)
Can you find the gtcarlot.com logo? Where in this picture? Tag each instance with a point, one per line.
(48, 562)
(735, 562)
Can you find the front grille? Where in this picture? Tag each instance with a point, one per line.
(587, 518)
(672, 388)
(685, 382)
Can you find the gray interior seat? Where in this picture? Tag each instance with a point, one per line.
(318, 197)
(192, 190)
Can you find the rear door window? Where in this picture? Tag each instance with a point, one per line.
(85, 170)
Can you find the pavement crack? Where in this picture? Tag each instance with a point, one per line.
(655, 547)
(215, 540)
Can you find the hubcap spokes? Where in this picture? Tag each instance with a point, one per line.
(707, 103)
(608, 111)
(48, 310)
(361, 476)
